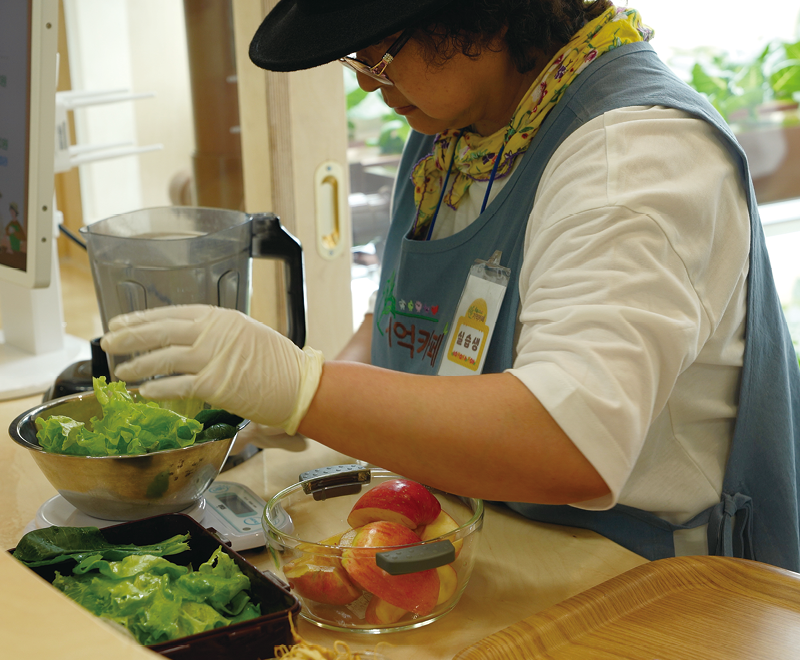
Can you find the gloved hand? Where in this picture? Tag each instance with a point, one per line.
(223, 357)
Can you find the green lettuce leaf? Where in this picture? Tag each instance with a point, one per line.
(127, 427)
(186, 407)
(158, 601)
(130, 566)
(218, 580)
(53, 545)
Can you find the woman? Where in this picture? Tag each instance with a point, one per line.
(574, 223)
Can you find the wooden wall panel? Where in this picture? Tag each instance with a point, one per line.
(290, 124)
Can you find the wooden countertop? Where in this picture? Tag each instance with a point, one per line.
(522, 567)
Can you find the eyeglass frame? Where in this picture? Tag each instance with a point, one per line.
(376, 72)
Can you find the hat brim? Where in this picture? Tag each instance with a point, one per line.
(296, 36)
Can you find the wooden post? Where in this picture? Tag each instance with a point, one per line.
(217, 160)
(291, 123)
(68, 184)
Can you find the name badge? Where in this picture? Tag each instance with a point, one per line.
(475, 318)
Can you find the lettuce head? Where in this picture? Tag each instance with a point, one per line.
(126, 427)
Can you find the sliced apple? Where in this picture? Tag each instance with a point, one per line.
(448, 581)
(397, 500)
(381, 613)
(414, 592)
(346, 540)
(335, 539)
(310, 551)
(440, 527)
(321, 578)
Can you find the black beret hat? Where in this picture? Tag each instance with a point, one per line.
(300, 34)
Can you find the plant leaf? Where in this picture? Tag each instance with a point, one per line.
(53, 545)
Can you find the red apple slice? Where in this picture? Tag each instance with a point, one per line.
(381, 613)
(448, 581)
(443, 524)
(414, 592)
(321, 578)
(346, 539)
(397, 500)
(333, 540)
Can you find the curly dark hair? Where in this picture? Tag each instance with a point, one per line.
(469, 26)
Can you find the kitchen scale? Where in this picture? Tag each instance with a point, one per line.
(232, 510)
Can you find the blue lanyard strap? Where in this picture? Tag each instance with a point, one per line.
(447, 178)
(444, 188)
(492, 175)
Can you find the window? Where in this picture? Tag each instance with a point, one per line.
(770, 135)
(376, 138)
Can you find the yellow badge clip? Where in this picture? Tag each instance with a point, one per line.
(475, 318)
(469, 339)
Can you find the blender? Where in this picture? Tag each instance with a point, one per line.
(186, 255)
(179, 255)
(176, 256)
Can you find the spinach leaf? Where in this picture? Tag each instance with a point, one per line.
(216, 432)
(213, 416)
(217, 424)
(53, 545)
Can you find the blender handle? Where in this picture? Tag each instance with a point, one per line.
(270, 239)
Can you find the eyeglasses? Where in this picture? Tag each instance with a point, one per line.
(377, 72)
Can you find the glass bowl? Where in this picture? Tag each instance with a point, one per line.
(310, 539)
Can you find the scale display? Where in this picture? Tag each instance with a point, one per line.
(238, 511)
(235, 504)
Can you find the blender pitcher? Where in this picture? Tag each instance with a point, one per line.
(185, 255)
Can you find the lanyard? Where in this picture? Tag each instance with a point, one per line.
(447, 178)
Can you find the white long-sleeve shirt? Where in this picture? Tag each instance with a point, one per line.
(632, 303)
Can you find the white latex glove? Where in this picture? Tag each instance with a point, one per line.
(223, 357)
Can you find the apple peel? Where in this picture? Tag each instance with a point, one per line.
(413, 592)
(398, 500)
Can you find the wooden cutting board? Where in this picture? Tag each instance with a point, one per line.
(710, 608)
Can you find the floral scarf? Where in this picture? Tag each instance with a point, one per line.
(475, 158)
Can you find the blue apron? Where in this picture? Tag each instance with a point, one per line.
(421, 282)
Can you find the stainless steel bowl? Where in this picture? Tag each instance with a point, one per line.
(121, 487)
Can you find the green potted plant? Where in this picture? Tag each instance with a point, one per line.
(746, 93)
(759, 99)
(389, 131)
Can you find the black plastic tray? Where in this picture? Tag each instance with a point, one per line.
(249, 640)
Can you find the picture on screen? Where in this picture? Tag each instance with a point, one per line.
(14, 127)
